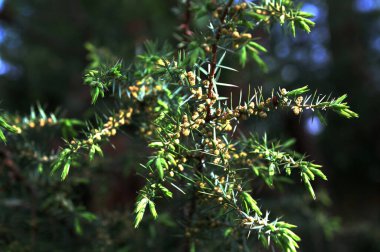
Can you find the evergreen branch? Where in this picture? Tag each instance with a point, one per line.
(41, 119)
(100, 80)
(281, 11)
(276, 161)
(277, 231)
(91, 141)
(4, 125)
(189, 128)
(298, 103)
(145, 198)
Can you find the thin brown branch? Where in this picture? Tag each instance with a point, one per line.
(214, 53)
(185, 26)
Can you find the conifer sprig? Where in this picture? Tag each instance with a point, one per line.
(4, 125)
(173, 98)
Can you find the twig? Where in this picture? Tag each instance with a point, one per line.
(214, 49)
(185, 26)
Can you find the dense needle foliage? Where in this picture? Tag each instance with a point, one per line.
(172, 98)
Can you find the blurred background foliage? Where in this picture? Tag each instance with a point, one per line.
(43, 56)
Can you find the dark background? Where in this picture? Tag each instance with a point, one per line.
(42, 58)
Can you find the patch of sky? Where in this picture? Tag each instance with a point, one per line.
(367, 5)
(289, 73)
(319, 54)
(4, 67)
(320, 34)
(1, 4)
(301, 55)
(313, 9)
(2, 34)
(375, 43)
(282, 49)
(313, 126)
